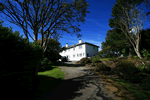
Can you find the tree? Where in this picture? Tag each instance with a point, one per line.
(128, 18)
(115, 39)
(53, 49)
(45, 17)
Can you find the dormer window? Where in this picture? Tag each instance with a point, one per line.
(80, 46)
(93, 47)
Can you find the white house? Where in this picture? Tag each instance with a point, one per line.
(78, 51)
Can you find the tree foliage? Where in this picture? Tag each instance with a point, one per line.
(127, 17)
(46, 17)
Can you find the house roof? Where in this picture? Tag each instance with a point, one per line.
(71, 46)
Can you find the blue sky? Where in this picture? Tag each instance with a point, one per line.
(94, 28)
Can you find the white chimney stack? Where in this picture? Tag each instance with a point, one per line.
(80, 41)
(66, 44)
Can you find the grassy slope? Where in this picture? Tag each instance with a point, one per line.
(48, 80)
(141, 91)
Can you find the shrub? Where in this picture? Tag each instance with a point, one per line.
(128, 70)
(114, 59)
(144, 68)
(85, 61)
(92, 57)
(19, 51)
(64, 59)
(103, 67)
(97, 56)
(18, 59)
(146, 54)
(135, 57)
(52, 55)
(45, 63)
(95, 60)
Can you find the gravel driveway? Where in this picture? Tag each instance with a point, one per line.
(79, 85)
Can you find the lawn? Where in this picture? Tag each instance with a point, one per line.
(47, 81)
(55, 73)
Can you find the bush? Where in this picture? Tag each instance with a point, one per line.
(52, 55)
(45, 63)
(114, 59)
(103, 67)
(146, 54)
(92, 57)
(144, 68)
(64, 59)
(97, 56)
(19, 60)
(19, 52)
(95, 60)
(135, 57)
(128, 70)
(85, 61)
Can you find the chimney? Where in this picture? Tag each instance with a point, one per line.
(80, 41)
(66, 44)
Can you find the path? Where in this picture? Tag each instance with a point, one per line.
(79, 86)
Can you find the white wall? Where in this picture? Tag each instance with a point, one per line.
(72, 52)
(84, 50)
(91, 51)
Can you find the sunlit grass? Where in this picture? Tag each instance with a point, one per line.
(55, 73)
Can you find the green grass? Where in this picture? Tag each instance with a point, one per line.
(55, 73)
(47, 80)
(141, 91)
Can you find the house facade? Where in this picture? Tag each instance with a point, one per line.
(78, 51)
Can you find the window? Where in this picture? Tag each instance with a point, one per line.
(73, 49)
(80, 46)
(93, 47)
(80, 54)
(77, 55)
(73, 55)
(83, 54)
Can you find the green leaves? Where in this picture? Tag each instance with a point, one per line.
(146, 54)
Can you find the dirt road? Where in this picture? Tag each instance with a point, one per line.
(78, 85)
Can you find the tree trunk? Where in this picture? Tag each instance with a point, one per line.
(137, 49)
(138, 53)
